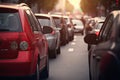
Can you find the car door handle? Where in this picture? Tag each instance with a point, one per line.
(96, 57)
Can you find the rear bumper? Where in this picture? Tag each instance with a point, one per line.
(78, 30)
(51, 43)
(21, 66)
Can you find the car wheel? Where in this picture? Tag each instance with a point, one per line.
(45, 72)
(82, 33)
(59, 50)
(89, 70)
(53, 53)
(89, 46)
(36, 76)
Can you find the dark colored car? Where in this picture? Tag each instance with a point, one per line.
(78, 26)
(70, 27)
(61, 23)
(104, 56)
(96, 29)
(23, 47)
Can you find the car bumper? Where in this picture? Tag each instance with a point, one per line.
(51, 43)
(21, 66)
(78, 30)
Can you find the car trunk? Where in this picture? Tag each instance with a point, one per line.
(9, 45)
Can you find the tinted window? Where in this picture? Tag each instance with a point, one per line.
(31, 20)
(57, 21)
(44, 21)
(10, 20)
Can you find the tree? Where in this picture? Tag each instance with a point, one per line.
(89, 6)
(46, 5)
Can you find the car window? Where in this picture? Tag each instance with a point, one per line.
(44, 21)
(107, 24)
(57, 21)
(108, 28)
(31, 21)
(10, 20)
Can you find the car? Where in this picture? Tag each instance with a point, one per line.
(23, 47)
(104, 56)
(96, 29)
(53, 38)
(60, 22)
(70, 27)
(78, 26)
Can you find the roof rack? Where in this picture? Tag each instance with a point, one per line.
(23, 4)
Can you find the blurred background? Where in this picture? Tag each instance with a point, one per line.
(74, 8)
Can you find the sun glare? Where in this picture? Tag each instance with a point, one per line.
(75, 3)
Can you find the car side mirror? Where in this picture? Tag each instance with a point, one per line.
(91, 39)
(47, 29)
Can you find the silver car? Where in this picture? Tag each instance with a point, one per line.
(52, 38)
(78, 26)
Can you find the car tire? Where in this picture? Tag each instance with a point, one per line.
(89, 46)
(53, 53)
(59, 50)
(82, 33)
(36, 76)
(45, 72)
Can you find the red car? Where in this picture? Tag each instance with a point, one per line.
(23, 47)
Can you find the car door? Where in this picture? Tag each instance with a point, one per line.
(57, 33)
(40, 39)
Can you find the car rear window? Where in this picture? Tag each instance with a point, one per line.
(10, 20)
(57, 21)
(44, 21)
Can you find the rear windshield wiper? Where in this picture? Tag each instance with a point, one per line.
(4, 30)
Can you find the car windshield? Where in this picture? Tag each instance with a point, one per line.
(9, 21)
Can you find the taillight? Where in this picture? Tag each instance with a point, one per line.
(14, 45)
(24, 45)
(53, 32)
(97, 33)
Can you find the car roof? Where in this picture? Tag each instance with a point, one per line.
(55, 15)
(42, 14)
(14, 6)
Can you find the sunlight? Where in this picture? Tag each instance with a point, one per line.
(73, 43)
(75, 3)
(70, 49)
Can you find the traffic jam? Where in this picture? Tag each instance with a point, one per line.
(37, 39)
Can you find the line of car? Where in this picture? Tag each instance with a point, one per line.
(104, 54)
(27, 40)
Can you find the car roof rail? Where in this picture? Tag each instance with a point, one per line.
(23, 4)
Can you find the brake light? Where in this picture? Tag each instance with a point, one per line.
(53, 32)
(97, 33)
(24, 42)
(14, 45)
(24, 45)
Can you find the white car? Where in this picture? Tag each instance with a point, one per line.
(78, 26)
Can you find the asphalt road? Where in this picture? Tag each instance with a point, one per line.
(72, 63)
